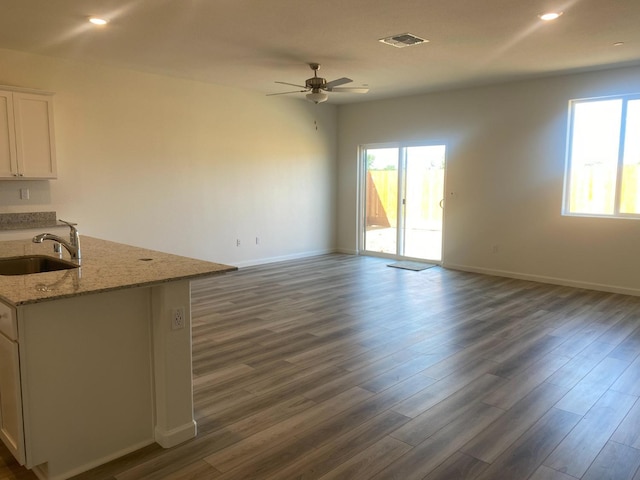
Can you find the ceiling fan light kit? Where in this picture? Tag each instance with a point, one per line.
(317, 86)
(317, 97)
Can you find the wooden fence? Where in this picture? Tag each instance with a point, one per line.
(423, 197)
(593, 189)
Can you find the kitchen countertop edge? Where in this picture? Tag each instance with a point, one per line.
(106, 266)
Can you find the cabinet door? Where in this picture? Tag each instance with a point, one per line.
(8, 162)
(11, 426)
(35, 146)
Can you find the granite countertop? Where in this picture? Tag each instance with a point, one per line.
(105, 266)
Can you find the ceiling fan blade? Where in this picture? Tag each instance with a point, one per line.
(292, 85)
(286, 93)
(334, 83)
(350, 89)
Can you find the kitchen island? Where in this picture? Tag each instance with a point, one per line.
(96, 360)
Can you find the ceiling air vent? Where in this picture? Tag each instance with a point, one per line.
(403, 40)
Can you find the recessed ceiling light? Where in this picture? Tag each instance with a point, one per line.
(547, 17)
(98, 21)
(618, 44)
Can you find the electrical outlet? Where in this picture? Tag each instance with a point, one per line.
(178, 319)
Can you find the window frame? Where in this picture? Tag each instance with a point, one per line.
(625, 98)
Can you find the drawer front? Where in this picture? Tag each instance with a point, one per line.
(8, 324)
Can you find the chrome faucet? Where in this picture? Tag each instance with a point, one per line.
(72, 246)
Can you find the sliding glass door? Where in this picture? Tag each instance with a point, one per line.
(381, 205)
(403, 201)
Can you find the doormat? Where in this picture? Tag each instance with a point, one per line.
(415, 266)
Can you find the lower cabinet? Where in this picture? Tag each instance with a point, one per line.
(90, 378)
(11, 427)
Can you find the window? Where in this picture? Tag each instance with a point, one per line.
(603, 159)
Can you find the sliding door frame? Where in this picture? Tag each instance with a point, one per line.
(401, 200)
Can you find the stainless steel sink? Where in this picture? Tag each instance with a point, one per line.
(33, 264)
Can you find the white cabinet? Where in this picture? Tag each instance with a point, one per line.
(27, 146)
(11, 426)
(90, 378)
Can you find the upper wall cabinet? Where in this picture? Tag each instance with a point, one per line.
(27, 146)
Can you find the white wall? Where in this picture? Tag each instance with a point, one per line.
(505, 165)
(188, 168)
(181, 166)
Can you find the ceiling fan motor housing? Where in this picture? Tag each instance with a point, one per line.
(315, 83)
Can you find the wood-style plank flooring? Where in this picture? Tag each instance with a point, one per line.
(338, 367)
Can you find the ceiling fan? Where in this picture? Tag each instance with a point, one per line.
(317, 86)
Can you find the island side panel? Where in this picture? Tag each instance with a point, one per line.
(175, 421)
(87, 379)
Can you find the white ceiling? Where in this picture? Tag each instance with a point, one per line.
(252, 43)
